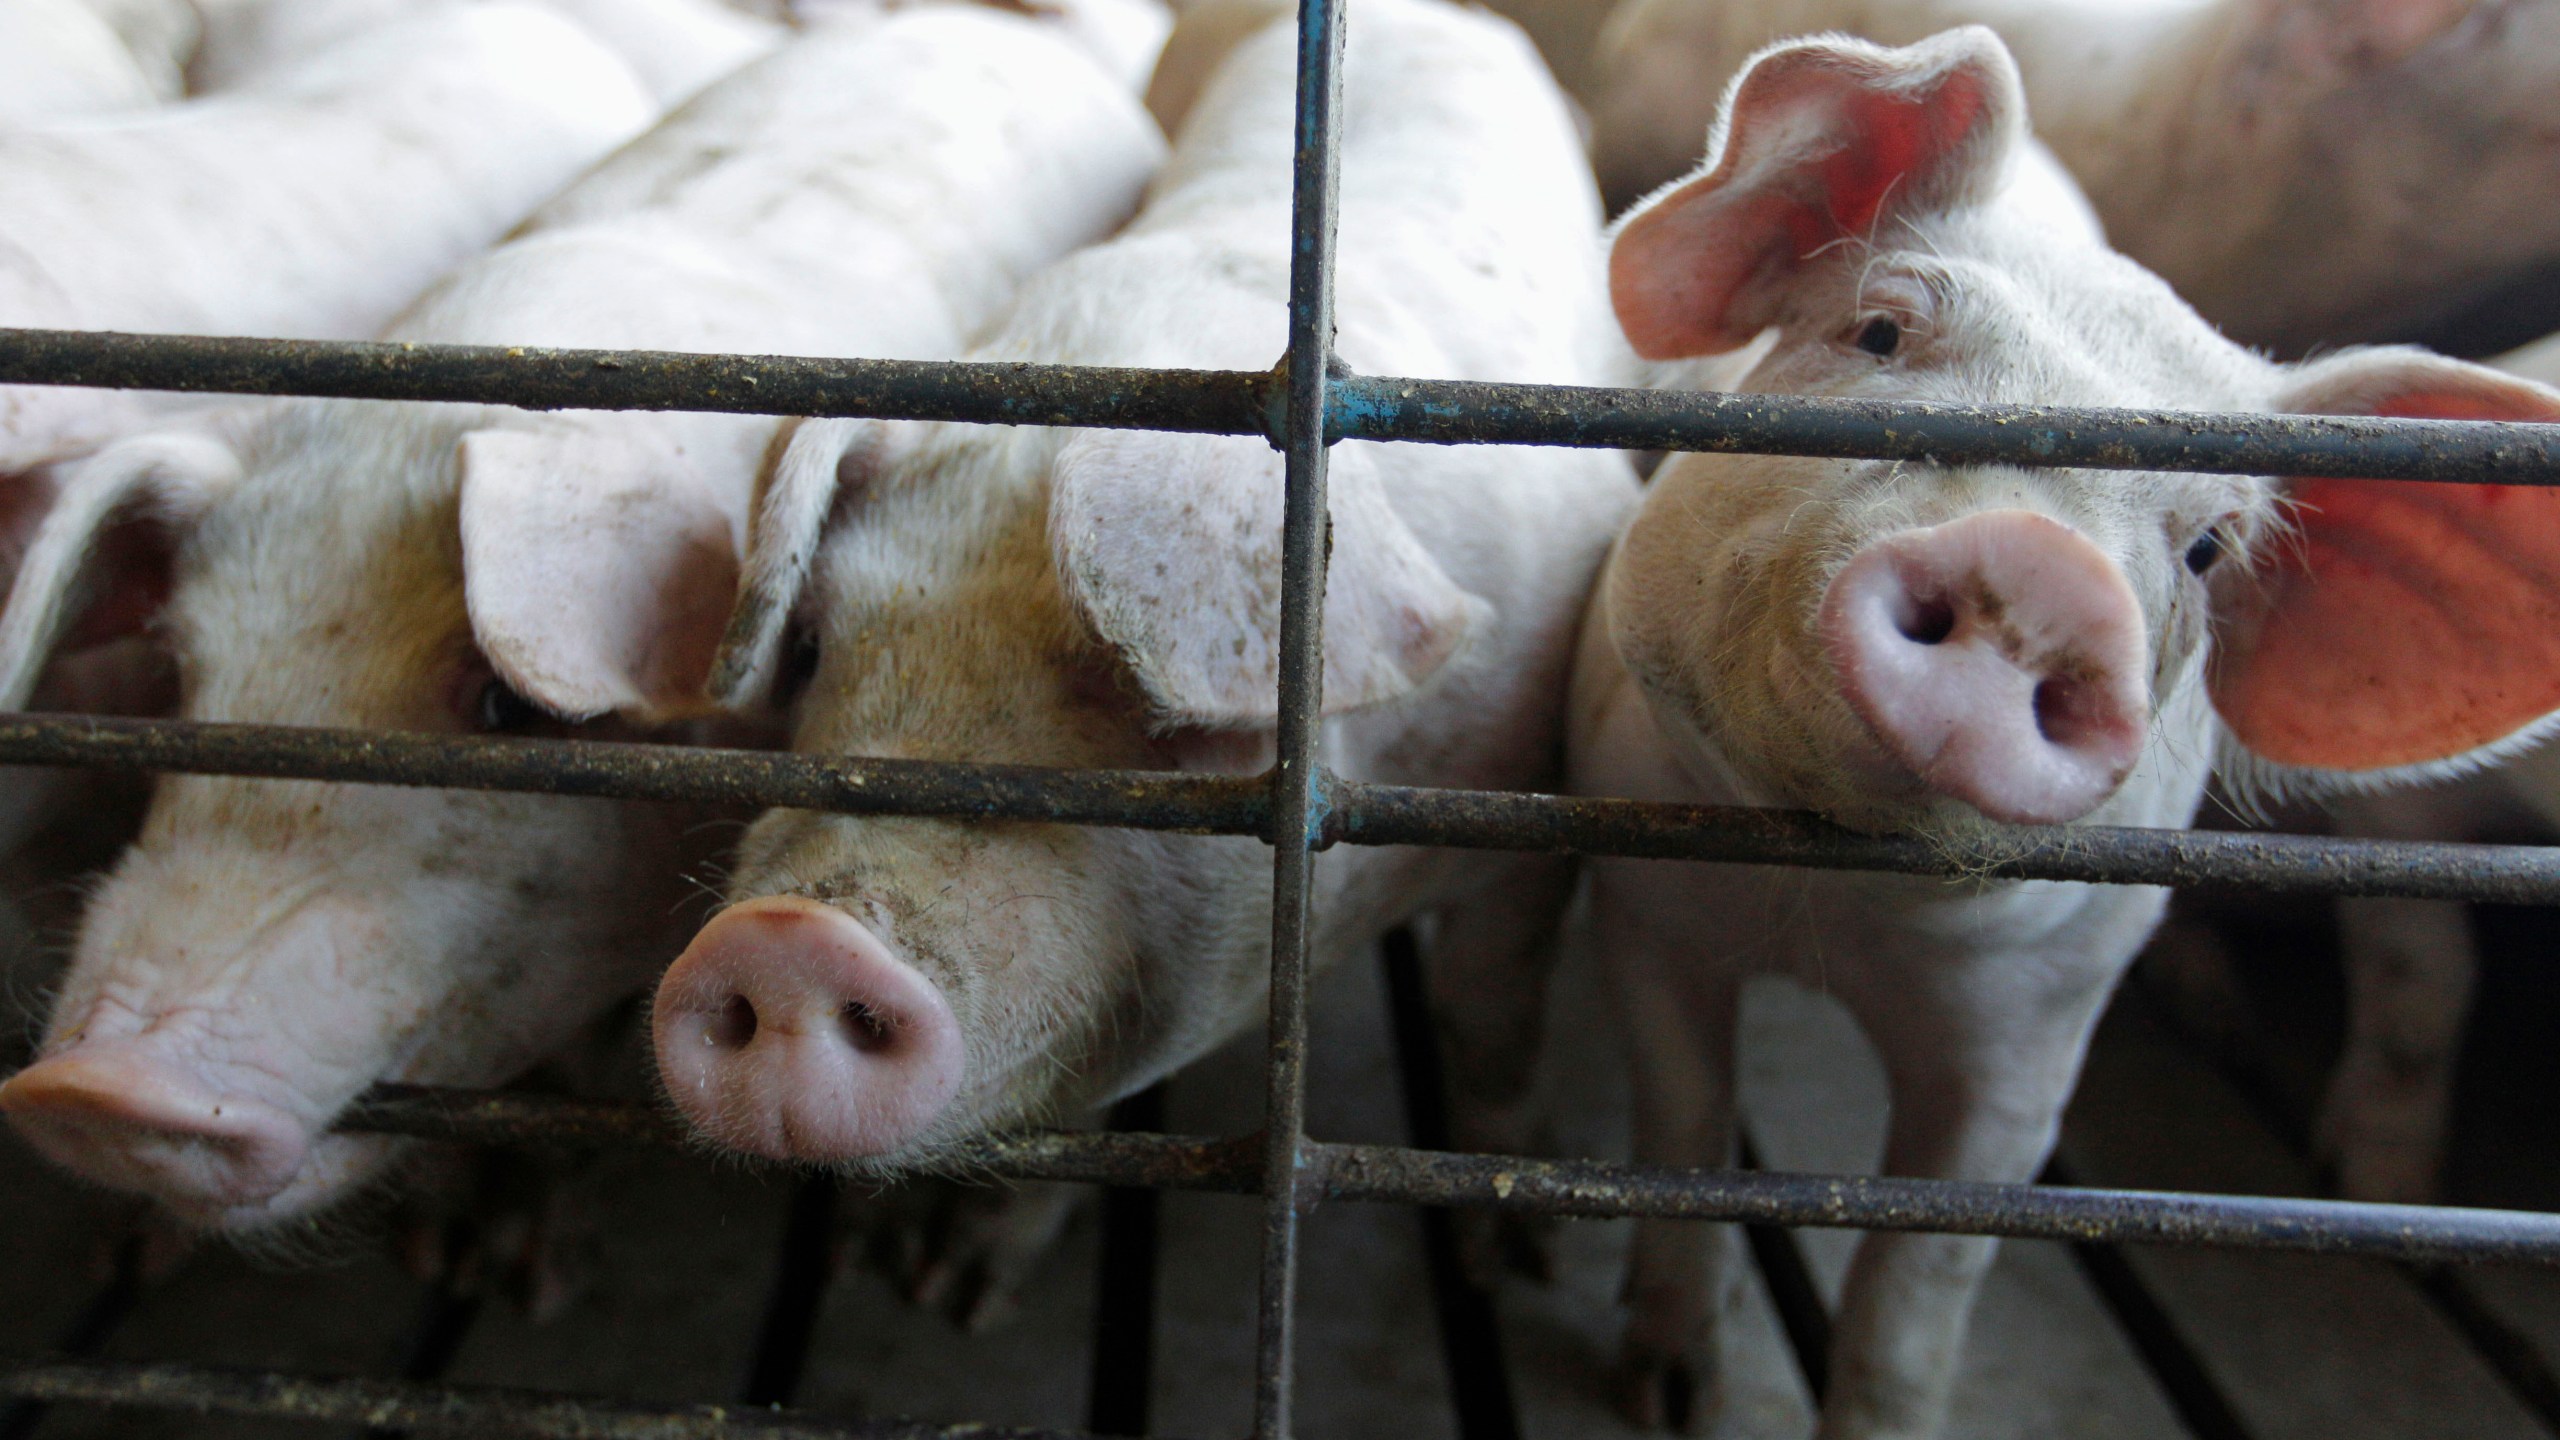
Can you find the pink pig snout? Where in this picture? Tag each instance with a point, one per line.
(2000, 657)
(121, 1112)
(788, 1030)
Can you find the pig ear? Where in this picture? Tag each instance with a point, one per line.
(1819, 141)
(2393, 630)
(815, 465)
(597, 570)
(1171, 545)
(97, 564)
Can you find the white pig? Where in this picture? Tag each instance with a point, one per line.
(883, 988)
(267, 950)
(675, 46)
(1915, 648)
(63, 57)
(2304, 172)
(315, 205)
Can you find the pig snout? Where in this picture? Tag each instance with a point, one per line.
(788, 1030)
(2000, 657)
(131, 1117)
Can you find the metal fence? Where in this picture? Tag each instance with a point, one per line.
(1305, 404)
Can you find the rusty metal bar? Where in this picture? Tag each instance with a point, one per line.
(1356, 813)
(1371, 407)
(1298, 779)
(399, 1405)
(1590, 1189)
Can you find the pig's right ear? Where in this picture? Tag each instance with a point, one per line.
(98, 564)
(1171, 546)
(815, 464)
(1820, 141)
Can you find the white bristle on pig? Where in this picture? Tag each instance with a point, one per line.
(1918, 648)
(314, 205)
(883, 988)
(266, 950)
(675, 47)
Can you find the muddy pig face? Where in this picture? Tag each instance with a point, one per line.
(884, 987)
(266, 950)
(1914, 646)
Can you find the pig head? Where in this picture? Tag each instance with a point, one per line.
(1904, 645)
(887, 986)
(266, 950)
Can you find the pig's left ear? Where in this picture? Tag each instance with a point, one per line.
(1171, 545)
(1820, 141)
(597, 572)
(2393, 629)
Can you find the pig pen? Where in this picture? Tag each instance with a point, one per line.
(1254, 1294)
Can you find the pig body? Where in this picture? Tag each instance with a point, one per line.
(315, 206)
(62, 57)
(1914, 648)
(675, 46)
(2304, 172)
(265, 951)
(883, 988)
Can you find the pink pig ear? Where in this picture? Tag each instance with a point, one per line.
(1171, 545)
(598, 567)
(1820, 140)
(97, 557)
(2396, 624)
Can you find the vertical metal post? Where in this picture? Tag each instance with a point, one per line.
(1298, 779)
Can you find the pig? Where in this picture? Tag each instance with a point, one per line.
(62, 57)
(879, 990)
(1927, 649)
(2305, 172)
(675, 46)
(266, 950)
(314, 206)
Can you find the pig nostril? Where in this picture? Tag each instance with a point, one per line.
(1925, 622)
(871, 1031)
(2062, 710)
(733, 1027)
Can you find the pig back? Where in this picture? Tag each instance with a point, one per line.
(875, 169)
(316, 207)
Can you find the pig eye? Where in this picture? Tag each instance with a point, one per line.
(1880, 336)
(499, 708)
(799, 664)
(2206, 550)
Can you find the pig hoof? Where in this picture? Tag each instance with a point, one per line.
(1660, 1392)
(964, 1252)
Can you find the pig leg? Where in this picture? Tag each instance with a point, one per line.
(1975, 1097)
(1487, 962)
(962, 1251)
(2410, 967)
(1682, 1276)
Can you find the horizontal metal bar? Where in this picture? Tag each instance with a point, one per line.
(1360, 814)
(1144, 800)
(515, 1118)
(447, 1409)
(1366, 407)
(1581, 1188)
